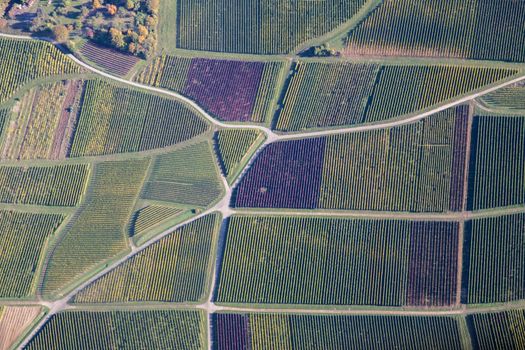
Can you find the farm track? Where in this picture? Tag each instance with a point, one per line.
(223, 206)
(279, 308)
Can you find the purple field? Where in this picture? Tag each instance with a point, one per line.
(285, 175)
(233, 332)
(457, 184)
(432, 276)
(226, 89)
(111, 60)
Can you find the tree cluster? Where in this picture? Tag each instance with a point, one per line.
(127, 25)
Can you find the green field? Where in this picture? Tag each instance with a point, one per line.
(497, 164)
(234, 146)
(510, 98)
(118, 120)
(23, 236)
(31, 131)
(151, 216)
(328, 261)
(60, 185)
(257, 27)
(483, 30)
(175, 269)
(98, 231)
(499, 330)
(186, 176)
(151, 329)
(322, 94)
(34, 59)
(405, 168)
(496, 259)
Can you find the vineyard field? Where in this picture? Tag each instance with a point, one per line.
(109, 59)
(455, 28)
(175, 269)
(510, 98)
(44, 122)
(418, 167)
(151, 329)
(258, 27)
(433, 264)
(60, 185)
(151, 216)
(350, 262)
(283, 331)
(499, 330)
(405, 89)
(96, 233)
(23, 236)
(117, 120)
(24, 60)
(234, 147)
(185, 176)
(496, 260)
(497, 164)
(4, 117)
(324, 94)
(14, 321)
(229, 90)
(285, 175)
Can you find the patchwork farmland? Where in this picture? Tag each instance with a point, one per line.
(323, 94)
(227, 89)
(249, 175)
(425, 160)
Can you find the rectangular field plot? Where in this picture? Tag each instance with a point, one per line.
(60, 185)
(117, 120)
(497, 164)
(40, 119)
(499, 330)
(151, 329)
(285, 175)
(186, 176)
(418, 167)
(484, 30)
(23, 237)
(332, 94)
(496, 259)
(280, 260)
(289, 331)
(326, 94)
(175, 269)
(227, 89)
(258, 27)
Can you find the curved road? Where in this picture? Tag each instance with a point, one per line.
(272, 137)
(223, 205)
